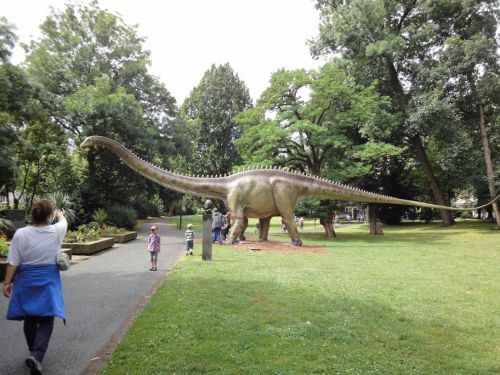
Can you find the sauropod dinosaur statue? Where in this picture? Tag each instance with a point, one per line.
(257, 193)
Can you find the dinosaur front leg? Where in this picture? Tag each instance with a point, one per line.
(237, 229)
(264, 228)
(292, 229)
(241, 236)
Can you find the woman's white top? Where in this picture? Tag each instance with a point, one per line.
(37, 245)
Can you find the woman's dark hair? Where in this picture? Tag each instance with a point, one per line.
(41, 212)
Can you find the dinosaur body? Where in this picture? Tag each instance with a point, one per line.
(258, 193)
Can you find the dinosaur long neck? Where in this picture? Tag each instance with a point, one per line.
(201, 186)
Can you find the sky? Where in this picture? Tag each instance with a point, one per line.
(185, 37)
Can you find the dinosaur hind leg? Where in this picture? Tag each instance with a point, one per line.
(285, 202)
(240, 222)
(264, 228)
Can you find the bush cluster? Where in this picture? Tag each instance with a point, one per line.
(123, 217)
(4, 249)
(84, 233)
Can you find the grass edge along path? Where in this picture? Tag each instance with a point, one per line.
(419, 300)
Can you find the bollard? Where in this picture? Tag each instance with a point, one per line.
(206, 253)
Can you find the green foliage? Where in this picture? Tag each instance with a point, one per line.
(109, 229)
(4, 249)
(122, 216)
(5, 224)
(317, 118)
(64, 203)
(433, 77)
(157, 205)
(152, 207)
(391, 214)
(99, 218)
(208, 112)
(84, 233)
(93, 74)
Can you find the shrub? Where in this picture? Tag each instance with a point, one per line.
(84, 233)
(143, 208)
(464, 214)
(123, 217)
(4, 249)
(5, 224)
(157, 206)
(63, 203)
(113, 230)
(99, 218)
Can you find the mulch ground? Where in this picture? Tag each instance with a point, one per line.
(277, 247)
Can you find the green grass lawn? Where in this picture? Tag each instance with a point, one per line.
(420, 299)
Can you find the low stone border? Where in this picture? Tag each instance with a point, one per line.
(121, 238)
(80, 248)
(3, 268)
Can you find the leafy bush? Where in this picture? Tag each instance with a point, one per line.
(390, 215)
(63, 202)
(157, 207)
(84, 233)
(123, 217)
(464, 214)
(99, 218)
(5, 224)
(4, 249)
(143, 208)
(113, 230)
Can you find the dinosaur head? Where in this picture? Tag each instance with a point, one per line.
(88, 142)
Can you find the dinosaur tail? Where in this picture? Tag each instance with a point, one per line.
(331, 190)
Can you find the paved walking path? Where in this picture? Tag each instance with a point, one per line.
(101, 295)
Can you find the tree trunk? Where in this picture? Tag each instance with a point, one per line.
(35, 185)
(487, 157)
(400, 96)
(372, 220)
(327, 223)
(431, 179)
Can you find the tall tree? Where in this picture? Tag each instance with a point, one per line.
(83, 43)
(11, 98)
(94, 74)
(390, 40)
(210, 109)
(320, 122)
(470, 62)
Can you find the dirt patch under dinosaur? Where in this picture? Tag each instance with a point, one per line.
(277, 247)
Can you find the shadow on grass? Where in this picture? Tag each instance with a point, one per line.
(222, 325)
(407, 232)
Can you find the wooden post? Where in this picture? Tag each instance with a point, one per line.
(206, 253)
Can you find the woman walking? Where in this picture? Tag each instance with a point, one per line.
(32, 280)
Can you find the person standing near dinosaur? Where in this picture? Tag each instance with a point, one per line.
(216, 225)
(32, 281)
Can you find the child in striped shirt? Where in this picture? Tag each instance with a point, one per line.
(189, 239)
